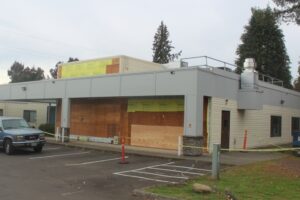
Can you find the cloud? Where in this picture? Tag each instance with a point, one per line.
(41, 33)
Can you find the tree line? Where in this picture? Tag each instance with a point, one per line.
(262, 40)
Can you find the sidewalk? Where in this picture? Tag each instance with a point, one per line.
(227, 158)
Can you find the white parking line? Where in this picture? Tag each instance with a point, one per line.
(145, 167)
(51, 148)
(71, 193)
(162, 175)
(191, 168)
(149, 179)
(93, 162)
(59, 155)
(171, 170)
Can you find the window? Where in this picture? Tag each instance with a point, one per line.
(29, 115)
(295, 123)
(275, 126)
(1, 112)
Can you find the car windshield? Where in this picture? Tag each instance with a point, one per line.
(14, 123)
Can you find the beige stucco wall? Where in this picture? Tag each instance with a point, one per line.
(15, 109)
(130, 65)
(256, 122)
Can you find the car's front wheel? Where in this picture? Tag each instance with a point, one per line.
(8, 147)
(38, 149)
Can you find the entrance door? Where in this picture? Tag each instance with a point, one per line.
(225, 129)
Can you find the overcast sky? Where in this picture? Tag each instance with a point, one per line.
(40, 33)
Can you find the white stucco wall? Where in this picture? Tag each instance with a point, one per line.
(16, 109)
(256, 122)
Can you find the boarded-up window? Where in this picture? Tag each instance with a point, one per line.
(275, 126)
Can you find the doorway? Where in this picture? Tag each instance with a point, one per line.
(225, 129)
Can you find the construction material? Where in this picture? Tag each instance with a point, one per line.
(123, 161)
(165, 137)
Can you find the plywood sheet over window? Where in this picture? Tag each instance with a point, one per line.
(100, 118)
(165, 137)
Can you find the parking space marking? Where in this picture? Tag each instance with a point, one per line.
(51, 148)
(71, 193)
(172, 170)
(163, 168)
(191, 168)
(145, 178)
(59, 155)
(145, 167)
(93, 162)
(162, 175)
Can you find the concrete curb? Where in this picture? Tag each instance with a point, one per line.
(128, 151)
(142, 194)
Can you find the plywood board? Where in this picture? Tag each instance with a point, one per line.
(164, 137)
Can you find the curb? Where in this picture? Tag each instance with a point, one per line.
(142, 194)
(128, 151)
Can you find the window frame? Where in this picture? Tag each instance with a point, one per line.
(272, 118)
(30, 112)
(292, 123)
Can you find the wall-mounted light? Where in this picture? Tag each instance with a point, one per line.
(172, 72)
(24, 88)
(281, 101)
(226, 101)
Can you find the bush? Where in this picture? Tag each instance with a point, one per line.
(49, 128)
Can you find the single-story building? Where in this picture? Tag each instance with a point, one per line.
(153, 105)
(34, 113)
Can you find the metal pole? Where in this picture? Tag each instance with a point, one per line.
(216, 162)
(63, 135)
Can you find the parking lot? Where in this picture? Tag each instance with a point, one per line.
(70, 173)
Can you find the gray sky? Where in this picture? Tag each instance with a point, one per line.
(40, 33)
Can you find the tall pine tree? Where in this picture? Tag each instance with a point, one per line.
(162, 46)
(263, 40)
(297, 81)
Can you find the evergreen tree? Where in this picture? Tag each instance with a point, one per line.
(297, 81)
(162, 46)
(18, 73)
(263, 40)
(288, 10)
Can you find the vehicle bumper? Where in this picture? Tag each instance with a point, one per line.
(31, 143)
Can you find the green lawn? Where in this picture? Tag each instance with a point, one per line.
(276, 180)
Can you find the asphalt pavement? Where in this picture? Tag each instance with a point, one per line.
(61, 172)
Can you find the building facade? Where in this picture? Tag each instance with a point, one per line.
(154, 106)
(34, 113)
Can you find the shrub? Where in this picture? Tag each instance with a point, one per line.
(49, 128)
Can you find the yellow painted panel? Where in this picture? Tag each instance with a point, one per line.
(155, 105)
(88, 68)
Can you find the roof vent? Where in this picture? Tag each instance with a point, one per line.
(249, 64)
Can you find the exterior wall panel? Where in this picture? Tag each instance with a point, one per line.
(105, 86)
(138, 85)
(256, 122)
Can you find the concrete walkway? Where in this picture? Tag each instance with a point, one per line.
(227, 158)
